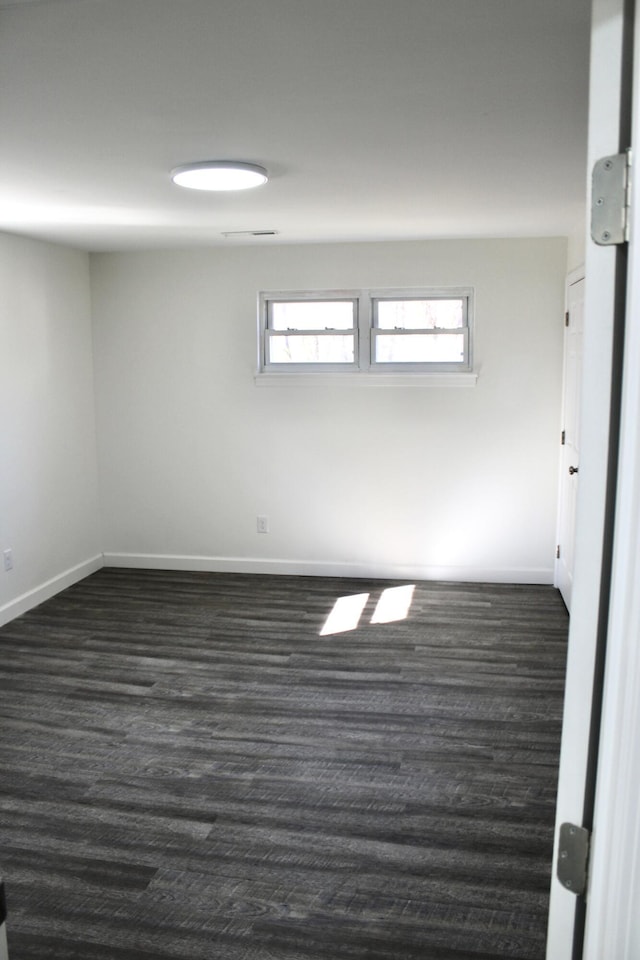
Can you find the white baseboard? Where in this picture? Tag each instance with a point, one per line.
(26, 601)
(316, 568)
(310, 568)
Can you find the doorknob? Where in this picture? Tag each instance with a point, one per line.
(573, 470)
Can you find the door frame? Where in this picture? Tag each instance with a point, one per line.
(612, 918)
(605, 276)
(573, 277)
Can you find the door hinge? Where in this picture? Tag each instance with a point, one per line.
(558, 552)
(563, 437)
(566, 319)
(573, 856)
(611, 199)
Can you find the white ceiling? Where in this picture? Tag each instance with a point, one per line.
(377, 119)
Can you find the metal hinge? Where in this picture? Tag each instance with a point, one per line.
(566, 319)
(558, 552)
(611, 199)
(573, 855)
(563, 437)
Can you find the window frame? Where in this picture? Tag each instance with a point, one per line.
(266, 298)
(365, 335)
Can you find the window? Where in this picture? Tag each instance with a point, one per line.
(310, 331)
(366, 331)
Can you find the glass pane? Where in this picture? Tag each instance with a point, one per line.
(420, 348)
(420, 314)
(312, 315)
(318, 349)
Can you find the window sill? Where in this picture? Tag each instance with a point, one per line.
(466, 379)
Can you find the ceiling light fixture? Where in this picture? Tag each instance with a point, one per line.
(219, 175)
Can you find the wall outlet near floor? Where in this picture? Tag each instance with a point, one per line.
(262, 524)
(7, 557)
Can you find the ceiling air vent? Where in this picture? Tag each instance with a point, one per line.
(250, 233)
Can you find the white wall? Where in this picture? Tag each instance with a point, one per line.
(406, 481)
(576, 246)
(48, 473)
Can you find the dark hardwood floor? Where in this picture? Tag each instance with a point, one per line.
(190, 771)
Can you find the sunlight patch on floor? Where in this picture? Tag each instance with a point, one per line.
(345, 615)
(393, 604)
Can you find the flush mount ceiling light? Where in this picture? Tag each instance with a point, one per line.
(219, 175)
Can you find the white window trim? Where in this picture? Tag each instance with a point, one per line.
(287, 369)
(363, 371)
(269, 379)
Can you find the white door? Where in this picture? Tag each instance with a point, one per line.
(570, 455)
(605, 273)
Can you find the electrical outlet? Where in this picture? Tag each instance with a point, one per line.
(262, 524)
(7, 556)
